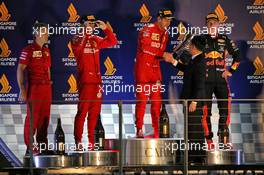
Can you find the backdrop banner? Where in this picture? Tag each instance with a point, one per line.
(245, 18)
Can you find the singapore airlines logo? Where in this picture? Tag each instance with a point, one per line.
(5, 52)
(4, 12)
(5, 85)
(71, 54)
(259, 2)
(145, 14)
(73, 84)
(220, 13)
(110, 70)
(259, 67)
(256, 7)
(73, 13)
(180, 73)
(259, 34)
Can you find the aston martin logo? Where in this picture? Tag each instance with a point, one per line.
(71, 54)
(4, 12)
(5, 52)
(259, 34)
(5, 85)
(145, 14)
(220, 13)
(259, 67)
(110, 70)
(73, 84)
(73, 13)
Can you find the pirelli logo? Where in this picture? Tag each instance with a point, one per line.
(73, 84)
(220, 13)
(145, 14)
(167, 12)
(259, 2)
(5, 52)
(71, 54)
(110, 69)
(5, 16)
(5, 85)
(259, 67)
(259, 34)
(73, 13)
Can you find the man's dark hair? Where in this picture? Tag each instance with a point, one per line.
(198, 42)
(40, 24)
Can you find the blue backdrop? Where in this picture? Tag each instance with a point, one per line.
(126, 17)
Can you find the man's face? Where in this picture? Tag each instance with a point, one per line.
(212, 26)
(90, 24)
(164, 22)
(43, 34)
(192, 49)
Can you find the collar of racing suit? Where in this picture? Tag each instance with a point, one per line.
(158, 27)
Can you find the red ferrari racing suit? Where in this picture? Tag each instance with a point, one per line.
(151, 45)
(38, 62)
(87, 50)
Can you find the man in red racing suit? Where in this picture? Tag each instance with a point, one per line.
(35, 59)
(152, 41)
(86, 49)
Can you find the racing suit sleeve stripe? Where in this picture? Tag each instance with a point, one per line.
(24, 57)
(108, 41)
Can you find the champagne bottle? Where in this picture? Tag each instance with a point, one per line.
(164, 123)
(99, 134)
(224, 137)
(59, 139)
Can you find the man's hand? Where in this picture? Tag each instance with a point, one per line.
(168, 57)
(192, 106)
(226, 74)
(101, 24)
(22, 95)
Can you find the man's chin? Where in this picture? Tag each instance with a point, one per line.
(213, 35)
